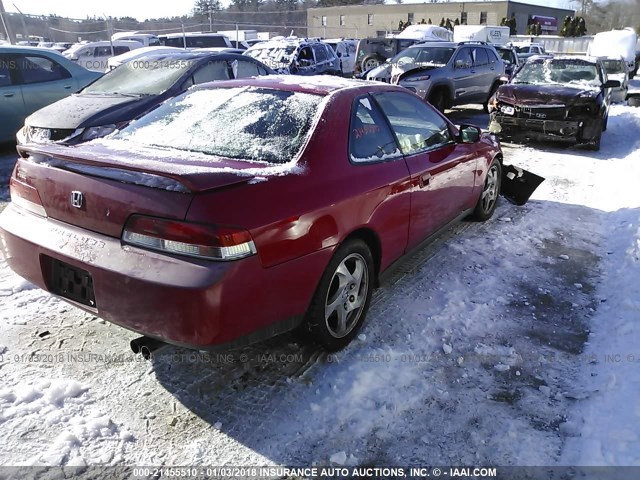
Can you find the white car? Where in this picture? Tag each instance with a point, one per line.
(617, 69)
(95, 55)
(118, 60)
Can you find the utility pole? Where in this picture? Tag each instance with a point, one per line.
(210, 20)
(24, 25)
(5, 23)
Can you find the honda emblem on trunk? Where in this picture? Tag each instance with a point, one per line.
(77, 199)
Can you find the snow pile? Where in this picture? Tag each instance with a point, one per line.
(59, 407)
(609, 417)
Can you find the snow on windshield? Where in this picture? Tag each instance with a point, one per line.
(567, 72)
(240, 123)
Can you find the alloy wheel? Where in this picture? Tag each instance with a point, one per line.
(490, 191)
(347, 295)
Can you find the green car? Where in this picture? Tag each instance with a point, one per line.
(31, 78)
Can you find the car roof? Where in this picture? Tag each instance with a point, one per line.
(436, 43)
(26, 49)
(294, 41)
(195, 55)
(584, 58)
(314, 84)
(192, 34)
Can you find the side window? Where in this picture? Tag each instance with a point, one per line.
(480, 57)
(418, 127)
(211, 71)
(102, 52)
(244, 69)
(493, 58)
(464, 59)
(6, 65)
(321, 53)
(35, 69)
(369, 137)
(119, 50)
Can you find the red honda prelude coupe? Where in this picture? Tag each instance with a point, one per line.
(243, 209)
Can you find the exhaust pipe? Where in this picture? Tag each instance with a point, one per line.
(147, 346)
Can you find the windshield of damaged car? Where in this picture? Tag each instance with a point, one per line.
(255, 124)
(424, 55)
(572, 73)
(613, 66)
(144, 76)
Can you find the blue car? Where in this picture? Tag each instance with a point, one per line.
(131, 90)
(31, 78)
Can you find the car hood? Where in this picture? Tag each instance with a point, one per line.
(544, 94)
(86, 110)
(412, 68)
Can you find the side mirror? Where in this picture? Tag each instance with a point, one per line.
(461, 64)
(611, 84)
(469, 134)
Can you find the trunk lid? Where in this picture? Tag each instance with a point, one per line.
(98, 188)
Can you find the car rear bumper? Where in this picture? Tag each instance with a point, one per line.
(184, 301)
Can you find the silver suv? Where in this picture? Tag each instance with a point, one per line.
(446, 73)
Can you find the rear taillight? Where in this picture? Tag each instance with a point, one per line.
(192, 239)
(25, 196)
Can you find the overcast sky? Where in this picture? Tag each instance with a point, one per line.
(142, 9)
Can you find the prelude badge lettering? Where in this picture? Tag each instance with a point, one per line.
(77, 199)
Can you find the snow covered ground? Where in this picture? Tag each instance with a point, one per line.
(513, 342)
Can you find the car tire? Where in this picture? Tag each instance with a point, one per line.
(633, 100)
(340, 303)
(371, 61)
(594, 144)
(438, 99)
(488, 200)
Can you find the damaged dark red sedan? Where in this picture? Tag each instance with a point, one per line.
(561, 99)
(247, 208)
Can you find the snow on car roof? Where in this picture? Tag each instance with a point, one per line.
(318, 84)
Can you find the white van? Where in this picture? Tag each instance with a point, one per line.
(481, 33)
(195, 40)
(146, 39)
(95, 55)
(615, 44)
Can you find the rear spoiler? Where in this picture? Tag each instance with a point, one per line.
(152, 173)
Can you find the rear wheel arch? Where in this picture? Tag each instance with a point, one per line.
(372, 240)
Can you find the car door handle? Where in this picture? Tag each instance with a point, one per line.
(424, 180)
(9, 94)
(473, 71)
(67, 87)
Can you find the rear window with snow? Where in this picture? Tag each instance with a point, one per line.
(255, 124)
